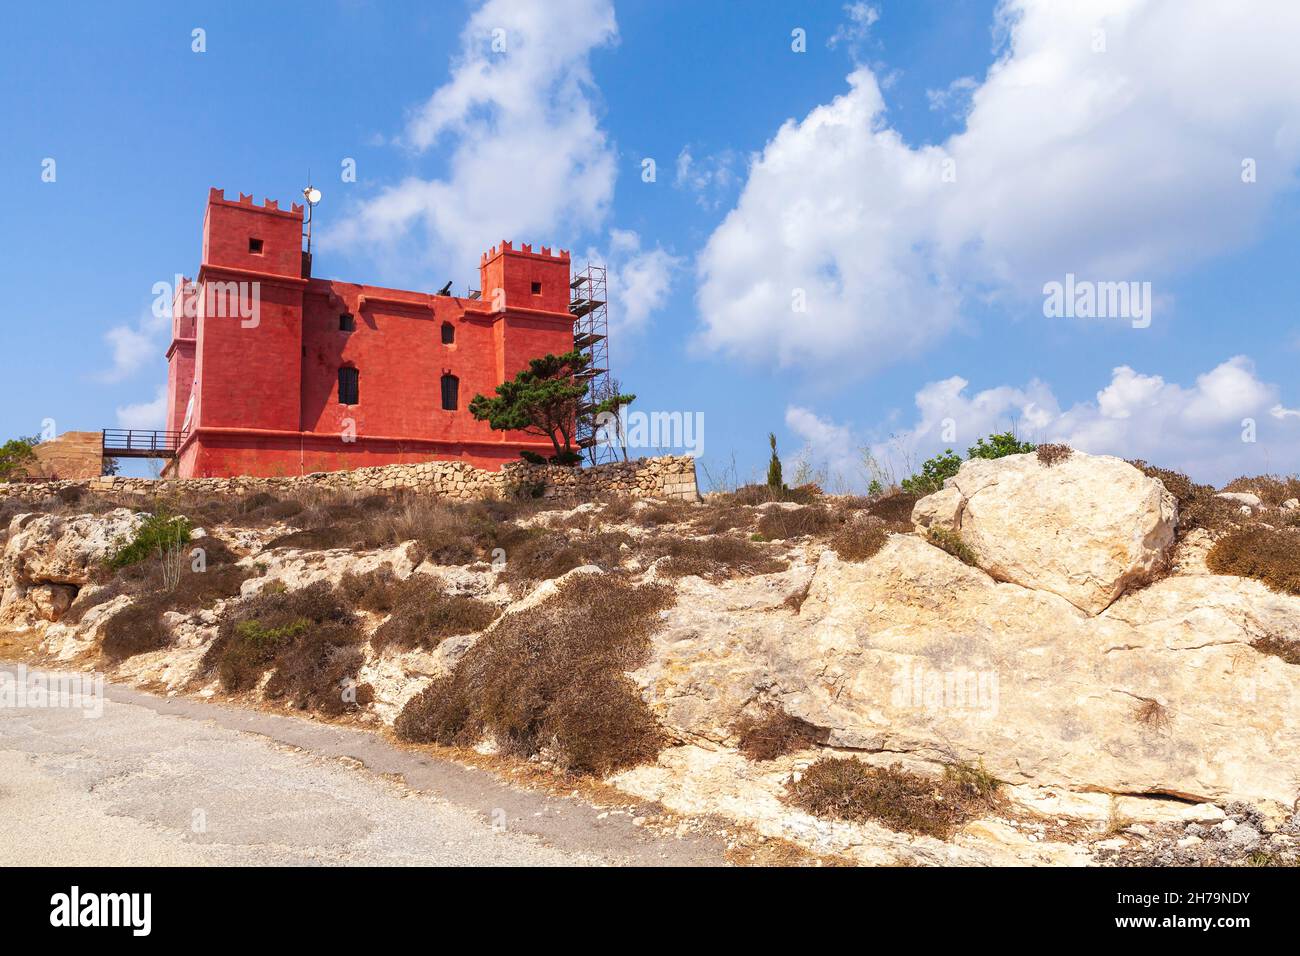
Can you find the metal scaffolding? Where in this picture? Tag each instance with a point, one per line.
(588, 302)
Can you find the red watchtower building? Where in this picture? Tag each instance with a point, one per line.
(274, 372)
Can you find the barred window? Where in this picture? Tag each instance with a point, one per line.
(347, 323)
(448, 333)
(348, 385)
(450, 392)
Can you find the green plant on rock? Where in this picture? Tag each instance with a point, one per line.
(933, 473)
(999, 446)
(159, 534)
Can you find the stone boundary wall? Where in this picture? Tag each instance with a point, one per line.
(671, 477)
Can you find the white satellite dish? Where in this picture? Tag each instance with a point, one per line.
(312, 195)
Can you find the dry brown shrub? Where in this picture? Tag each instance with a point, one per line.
(847, 789)
(554, 678)
(423, 615)
(895, 509)
(1152, 715)
(1277, 646)
(1271, 555)
(715, 558)
(308, 638)
(777, 733)
(1271, 489)
(778, 524)
(861, 539)
(1049, 455)
(1197, 505)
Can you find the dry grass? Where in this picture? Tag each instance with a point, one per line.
(715, 559)
(308, 639)
(1197, 505)
(425, 615)
(1152, 715)
(779, 524)
(860, 540)
(777, 733)
(844, 788)
(554, 679)
(1271, 489)
(1281, 647)
(1268, 555)
(139, 627)
(1050, 455)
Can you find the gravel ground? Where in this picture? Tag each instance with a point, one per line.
(185, 782)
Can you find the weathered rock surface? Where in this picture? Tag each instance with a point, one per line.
(47, 558)
(1086, 528)
(913, 652)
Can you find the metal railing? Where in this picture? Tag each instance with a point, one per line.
(140, 443)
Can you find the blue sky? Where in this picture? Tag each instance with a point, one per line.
(1103, 139)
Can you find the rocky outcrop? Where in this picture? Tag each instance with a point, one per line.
(48, 558)
(1086, 528)
(915, 653)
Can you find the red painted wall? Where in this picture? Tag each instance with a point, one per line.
(267, 399)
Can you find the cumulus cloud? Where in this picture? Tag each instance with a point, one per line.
(1108, 141)
(145, 415)
(1197, 428)
(639, 280)
(132, 347)
(526, 158)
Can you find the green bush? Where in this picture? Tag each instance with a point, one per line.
(936, 470)
(933, 473)
(999, 446)
(15, 455)
(160, 531)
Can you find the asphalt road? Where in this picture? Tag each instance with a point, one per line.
(182, 782)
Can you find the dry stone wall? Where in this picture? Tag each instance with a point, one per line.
(666, 477)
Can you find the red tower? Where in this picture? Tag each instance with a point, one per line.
(274, 372)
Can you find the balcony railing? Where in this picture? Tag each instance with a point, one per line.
(140, 443)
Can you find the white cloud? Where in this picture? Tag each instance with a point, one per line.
(827, 447)
(1197, 429)
(862, 16)
(527, 157)
(145, 415)
(639, 280)
(1117, 165)
(955, 98)
(134, 346)
(711, 179)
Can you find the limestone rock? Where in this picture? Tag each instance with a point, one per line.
(915, 653)
(1086, 528)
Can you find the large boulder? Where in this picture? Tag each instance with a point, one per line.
(1086, 528)
(915, 654)
(53, 550)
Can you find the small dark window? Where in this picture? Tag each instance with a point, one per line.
(347, 323)
(450, 391)
(448, 333)
(348, 385)
(255, 246)
(537, 288)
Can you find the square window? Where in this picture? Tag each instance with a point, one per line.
(255, 246)
(347, 323)
(537, 288)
